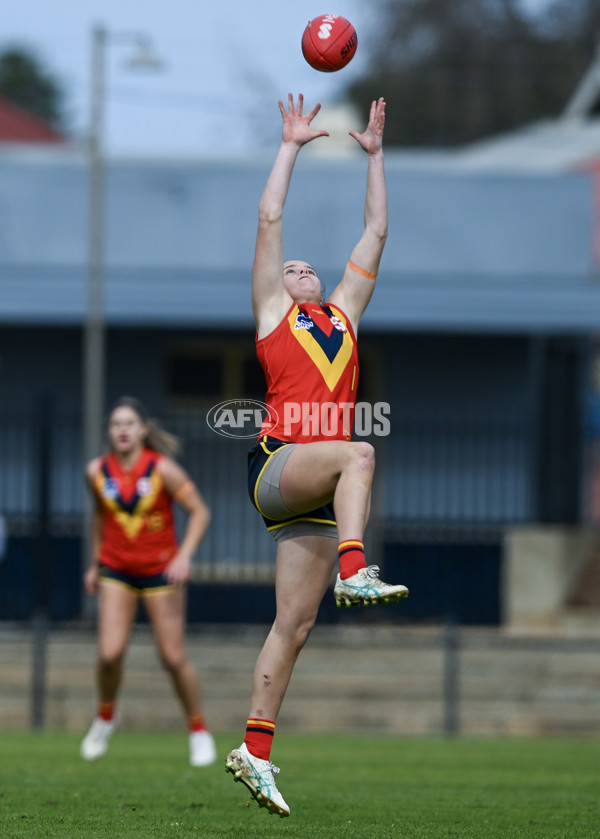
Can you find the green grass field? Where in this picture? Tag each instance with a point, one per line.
(337, 787)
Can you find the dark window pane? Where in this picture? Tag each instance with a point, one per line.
(200, 376)
(254, 379)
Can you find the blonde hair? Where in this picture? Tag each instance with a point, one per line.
(157, 438)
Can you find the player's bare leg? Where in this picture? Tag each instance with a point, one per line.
(166, 610)
(117, 610)
(304, 568)
(316, 473)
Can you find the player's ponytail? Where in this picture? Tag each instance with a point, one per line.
(157, 438)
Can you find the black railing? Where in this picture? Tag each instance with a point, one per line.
(437, 481)
(434, 475)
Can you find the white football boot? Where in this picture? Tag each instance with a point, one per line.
(365, 587)
(95, 742)
(257, 775)
(203, 751)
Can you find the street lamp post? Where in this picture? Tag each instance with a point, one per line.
(94, 334)
(94, 337)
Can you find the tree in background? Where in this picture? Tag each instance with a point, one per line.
(460, 70)
(24, 82)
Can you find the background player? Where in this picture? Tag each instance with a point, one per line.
(135, 556)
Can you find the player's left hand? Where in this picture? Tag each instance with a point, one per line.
(371, 140)
(178, 570)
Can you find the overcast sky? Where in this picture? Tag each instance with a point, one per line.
(224, 67)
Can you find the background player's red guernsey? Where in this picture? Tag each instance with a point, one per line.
(311, 368)
(138, 530)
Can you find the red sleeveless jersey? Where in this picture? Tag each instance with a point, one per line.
(138, 529)
(310, 363)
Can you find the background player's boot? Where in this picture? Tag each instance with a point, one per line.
(202, 748)
(95, 742)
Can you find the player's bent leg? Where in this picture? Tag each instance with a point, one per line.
(365, 588)
(258, 776)
(315, 473)
(308, 475)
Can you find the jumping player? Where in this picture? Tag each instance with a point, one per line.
(135, 556)
(305, 473)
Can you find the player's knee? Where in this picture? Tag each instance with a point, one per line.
(172, 660)
(296, 632)
(302, 633)
(363, 455)
(110, 660)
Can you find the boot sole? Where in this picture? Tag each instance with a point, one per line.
(346, 600)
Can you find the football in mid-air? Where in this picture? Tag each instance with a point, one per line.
(329, 43)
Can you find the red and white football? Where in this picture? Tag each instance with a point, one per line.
(329, 43)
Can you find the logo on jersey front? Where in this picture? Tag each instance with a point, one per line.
(303, 321)
(144, 487)
(110, 488)
(327, 341)
(338, 324)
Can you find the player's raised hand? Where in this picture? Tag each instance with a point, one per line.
(296, 125)
(371, 140)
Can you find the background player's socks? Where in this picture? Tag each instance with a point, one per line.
(196, 722)
(106, 711)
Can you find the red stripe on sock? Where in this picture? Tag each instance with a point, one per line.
(259, 737)
(106, 711)
(351, 557)
(196, 723)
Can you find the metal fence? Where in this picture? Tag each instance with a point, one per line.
(432, 477)
(450, 473)
(444, 495)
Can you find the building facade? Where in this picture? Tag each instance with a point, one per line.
(479, 338)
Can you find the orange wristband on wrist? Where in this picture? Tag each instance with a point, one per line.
(361, 271)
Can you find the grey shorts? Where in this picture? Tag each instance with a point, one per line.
(265, 465)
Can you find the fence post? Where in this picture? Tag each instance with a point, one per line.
(42, 571)
(451, 642)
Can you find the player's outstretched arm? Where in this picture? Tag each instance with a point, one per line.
(269, 299)
(357, 285)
